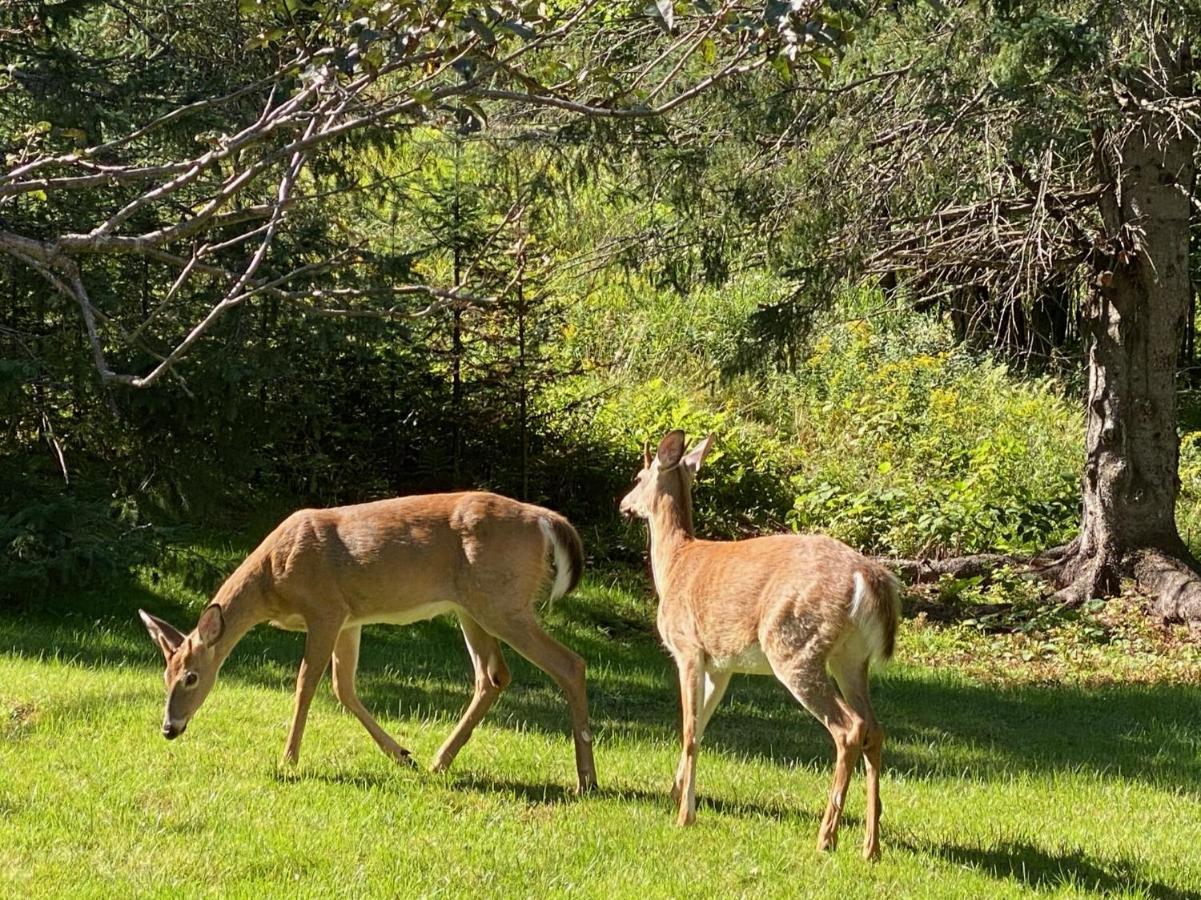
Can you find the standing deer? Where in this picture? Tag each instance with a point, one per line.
(800, 607)
(329, 572)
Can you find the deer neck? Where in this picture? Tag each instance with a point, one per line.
(243, 606)
(670, 528)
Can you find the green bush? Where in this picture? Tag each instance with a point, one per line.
(745, 480)
(886, 434)
(913, 446)
(1188, 509)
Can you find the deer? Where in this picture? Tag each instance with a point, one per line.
(807, 609)
(328, 572)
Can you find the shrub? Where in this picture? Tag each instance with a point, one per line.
(891, 438)
(934, 451)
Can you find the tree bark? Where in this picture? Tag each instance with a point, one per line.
(1133, 322)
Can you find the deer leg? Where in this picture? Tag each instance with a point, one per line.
(715, 688)
(809, 683)
(491, 677)
(346, 663)
(691, 688)
(525, 635)
(873, 751)
(853, 683)
(318, 646)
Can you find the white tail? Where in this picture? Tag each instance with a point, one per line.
(875, 609)
(567, 551)
(805, 608)
(329, 572)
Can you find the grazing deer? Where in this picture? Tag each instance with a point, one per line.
(329, 572)
(800, 607)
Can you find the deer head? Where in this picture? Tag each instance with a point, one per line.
(667, 473)
(192, 664)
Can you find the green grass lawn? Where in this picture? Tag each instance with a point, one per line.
(995, 785)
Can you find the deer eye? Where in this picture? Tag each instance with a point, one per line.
(190, 679)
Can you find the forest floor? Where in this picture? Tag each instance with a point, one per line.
(1062, 758)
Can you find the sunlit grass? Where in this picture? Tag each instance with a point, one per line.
(993, 787)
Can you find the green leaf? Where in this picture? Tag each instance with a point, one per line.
(824, 62)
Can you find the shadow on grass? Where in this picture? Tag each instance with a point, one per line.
(553, 793)
(939, 726)
(1044, 871)
(550, 793)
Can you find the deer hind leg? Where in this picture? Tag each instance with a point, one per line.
(318, 646)
(852, 678)
(491, 677)
(523, 633)
(808, 681)
(346, 663)
(715, 688)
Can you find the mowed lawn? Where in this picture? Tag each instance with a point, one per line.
(990, 789)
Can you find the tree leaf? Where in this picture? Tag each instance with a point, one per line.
(824, 62)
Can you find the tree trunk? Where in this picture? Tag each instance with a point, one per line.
(1132, 324)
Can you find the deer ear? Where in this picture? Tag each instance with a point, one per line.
(671, 448)
(211, 624)
(166, 635)
(697, 454)
(647, 456)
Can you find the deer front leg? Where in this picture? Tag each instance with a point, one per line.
(318, 646)
(691, 676)
(346, 663)
(715, 688)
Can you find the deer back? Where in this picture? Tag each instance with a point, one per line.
(387, 559)
(724, 595)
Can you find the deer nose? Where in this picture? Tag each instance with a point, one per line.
(171, 731)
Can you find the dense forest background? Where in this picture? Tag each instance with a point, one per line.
(745, 265)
